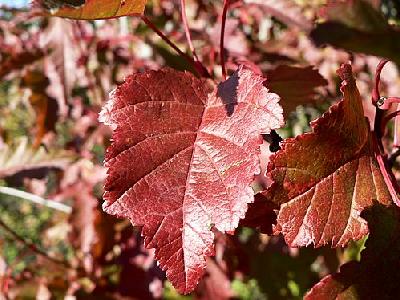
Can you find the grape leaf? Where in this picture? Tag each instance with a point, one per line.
(182, 161)
(376, 275)
(324, 179)
(302, 82)
(90, 9)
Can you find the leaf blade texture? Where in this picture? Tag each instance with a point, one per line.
(91, 9)
(183, 160)
(324, 179)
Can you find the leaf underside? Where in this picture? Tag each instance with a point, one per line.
(324, 179)
(182, 160)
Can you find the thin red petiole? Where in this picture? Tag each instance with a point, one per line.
(187, 30)
(375, 92)
(388, 102)
(222, 52)
(189, 59)
(201, 69)
(387, 118)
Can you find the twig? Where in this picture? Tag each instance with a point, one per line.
(222, 37)
(387, 118)
(189, 59)
(383, 162)
(36, 199)
(187, 30)
(32, 246)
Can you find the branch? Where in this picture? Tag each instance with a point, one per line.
(222, 37)
(196, 66)
(33, 247)
(187, 30)
(36, 199)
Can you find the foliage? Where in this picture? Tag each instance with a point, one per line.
(260, 162)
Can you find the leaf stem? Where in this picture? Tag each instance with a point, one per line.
(222, 37)
(380, 119)
(187, 30)
(387, 118)
(33, 247)
(189, 59)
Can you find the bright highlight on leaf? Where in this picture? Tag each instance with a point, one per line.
(324, 179)
(91, 9)
(182, 160)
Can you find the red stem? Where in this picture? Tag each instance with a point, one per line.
(375, 91)
(196, 66)
(187, 30)
(387, 118)
(387, 173)
(222, 52)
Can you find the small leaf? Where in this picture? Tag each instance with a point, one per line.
(295, 85)
(90, 9)
(182, 159)
(324, 179)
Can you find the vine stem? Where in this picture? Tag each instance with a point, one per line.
(187, 30)
(380, 119)
(222, 37)
(201, 71)
(32, 246)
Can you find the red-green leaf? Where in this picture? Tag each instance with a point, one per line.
(324, 179)
(295, 85)
(182, 161)
(91, 9)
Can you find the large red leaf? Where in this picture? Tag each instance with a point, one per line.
(325, 178)
(182, 161)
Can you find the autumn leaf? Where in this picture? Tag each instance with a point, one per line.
(90, 9)
(295, 85)
(376, 275)
(324, 179)
(182, 160)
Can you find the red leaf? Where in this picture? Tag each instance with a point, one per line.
(295, 85)
(183, 162)
(325, 178)
(90, 9)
